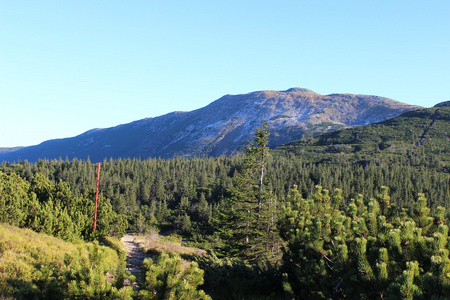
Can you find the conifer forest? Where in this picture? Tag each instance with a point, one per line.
(276, 224)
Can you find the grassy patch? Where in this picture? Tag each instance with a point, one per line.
(155, 244)
(23, 252)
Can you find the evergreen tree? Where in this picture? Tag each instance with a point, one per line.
(244, 221)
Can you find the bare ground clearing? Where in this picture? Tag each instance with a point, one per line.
(158, 243)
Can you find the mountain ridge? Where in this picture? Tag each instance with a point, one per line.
(221, 127)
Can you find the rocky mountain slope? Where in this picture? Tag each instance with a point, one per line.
(222, 127)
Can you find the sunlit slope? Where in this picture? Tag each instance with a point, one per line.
(35, 264)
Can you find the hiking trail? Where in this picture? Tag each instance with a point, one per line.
(135, 256)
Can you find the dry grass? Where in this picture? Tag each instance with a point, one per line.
(154, 242)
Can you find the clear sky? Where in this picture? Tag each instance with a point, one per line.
(73, 65)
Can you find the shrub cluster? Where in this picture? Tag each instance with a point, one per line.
(44, 206)
(364, 251)
(38, 266)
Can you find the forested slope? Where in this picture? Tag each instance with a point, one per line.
(163, 191)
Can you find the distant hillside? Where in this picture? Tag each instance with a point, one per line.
(222, 127)
(417, 136)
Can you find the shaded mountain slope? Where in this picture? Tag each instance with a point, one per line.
(222, 127)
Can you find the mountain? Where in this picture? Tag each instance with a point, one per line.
(222, 127)
(420, 137)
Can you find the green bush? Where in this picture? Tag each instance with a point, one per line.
(364, 251)
(38, 266)
(86, 274)
(53, 209)
(170, 277)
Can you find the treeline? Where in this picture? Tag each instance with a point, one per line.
(183, 194)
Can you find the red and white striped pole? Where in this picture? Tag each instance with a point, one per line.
(96, 197)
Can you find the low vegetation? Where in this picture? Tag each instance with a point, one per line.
(168, 276)
(365, 250)
(36, 265)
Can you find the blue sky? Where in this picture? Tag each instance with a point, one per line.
(70, 66)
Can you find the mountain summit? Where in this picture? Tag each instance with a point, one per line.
(222, 127)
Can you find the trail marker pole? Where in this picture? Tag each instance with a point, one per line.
(96, 197)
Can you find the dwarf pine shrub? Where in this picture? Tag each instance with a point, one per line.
(371, 250)
(169, 277)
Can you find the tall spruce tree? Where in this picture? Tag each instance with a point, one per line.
(245, 219)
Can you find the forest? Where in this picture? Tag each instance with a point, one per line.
(277, 224)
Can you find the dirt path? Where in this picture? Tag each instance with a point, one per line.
(135, 253)
(135, 256)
